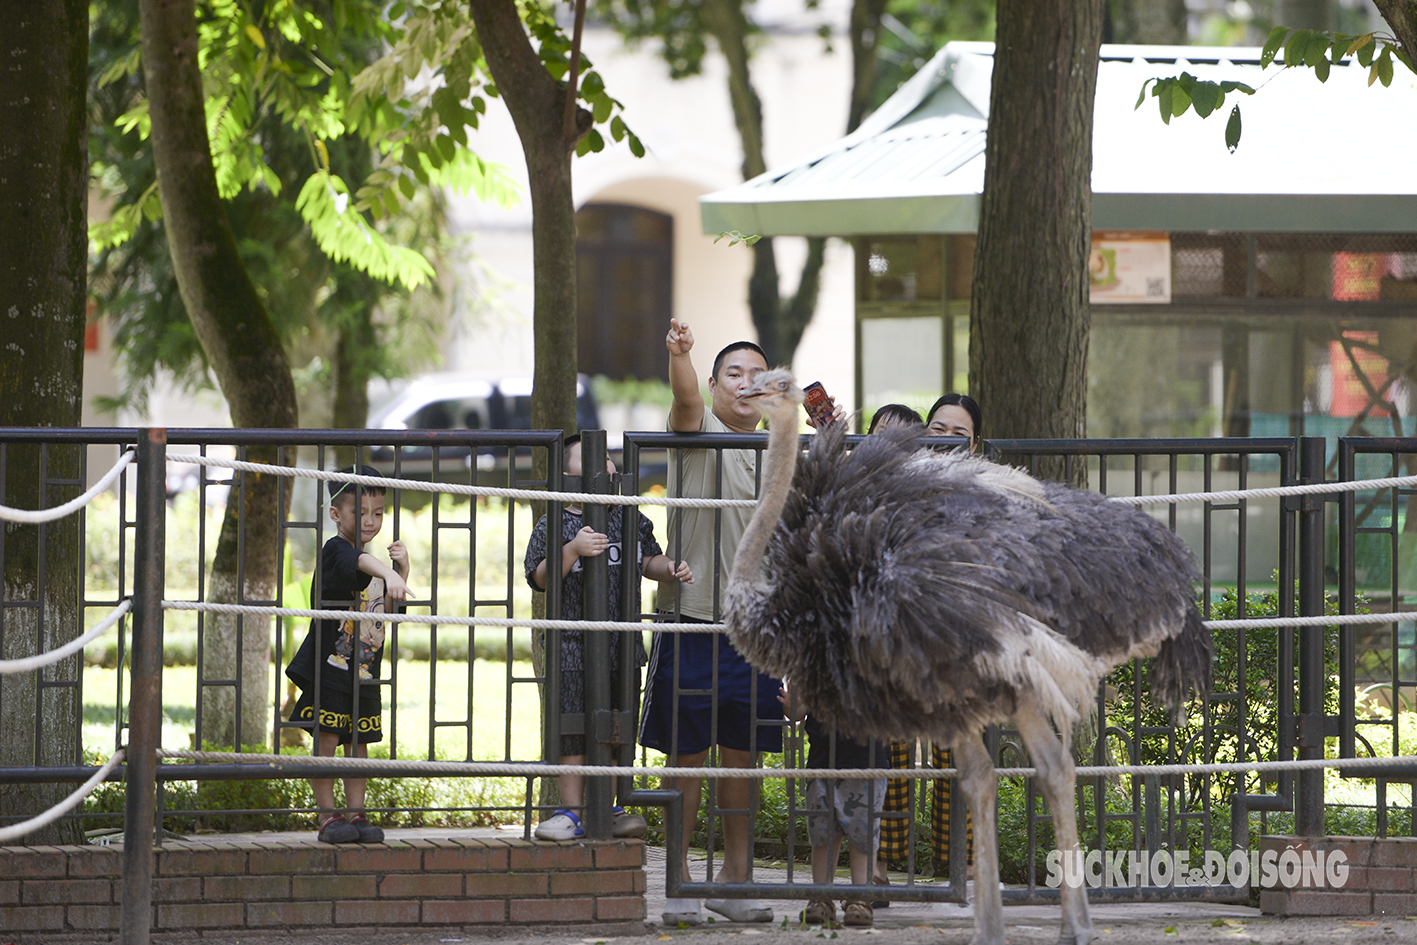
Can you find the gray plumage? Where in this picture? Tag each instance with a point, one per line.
(908, 593)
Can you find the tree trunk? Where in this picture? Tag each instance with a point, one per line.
(351, 373)
(1401, 15)
(43, 293)
(1305, 14)
(537, 104)
(244, 351)
(355, 354)
(1029, 315)
(865, 30)
(1152, 22)
(779, 326)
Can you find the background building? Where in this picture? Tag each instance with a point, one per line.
(1271, 291)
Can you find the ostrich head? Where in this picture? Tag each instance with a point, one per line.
(776, 395)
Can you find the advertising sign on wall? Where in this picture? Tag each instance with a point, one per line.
(1130, 267)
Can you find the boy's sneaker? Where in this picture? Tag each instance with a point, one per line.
(338, 830)
(368, 833)
(624, 824)
(563, 825)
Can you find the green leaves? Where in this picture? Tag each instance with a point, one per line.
(123, 222)
(734, 238)
(1321, 51)
(410, 111)
(1272, 45)
(345, 236)
(1311, 49)
(1381, 70)
(1232, 130)
(1206, 97)
(1177, 93)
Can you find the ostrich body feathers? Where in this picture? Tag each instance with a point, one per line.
(912, 594)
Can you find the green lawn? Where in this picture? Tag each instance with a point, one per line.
(498, 727)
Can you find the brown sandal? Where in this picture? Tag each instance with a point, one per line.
(820, 912)
(857, 914)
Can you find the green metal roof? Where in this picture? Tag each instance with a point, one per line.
(1314, 157)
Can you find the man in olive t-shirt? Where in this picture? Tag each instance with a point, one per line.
(743, 716)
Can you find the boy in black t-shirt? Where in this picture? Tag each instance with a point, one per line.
(345, 655)
(581, 541)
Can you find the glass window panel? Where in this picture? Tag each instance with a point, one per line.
(901, 269)
(902, 361)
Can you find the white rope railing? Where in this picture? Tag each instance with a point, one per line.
(1312, 488)
(1317, 620)
(452, 488)
(527, 769)
(1308, 488)
(622, 626)
(371, 617)
(26, 517)
(24, 827)
(28, 663)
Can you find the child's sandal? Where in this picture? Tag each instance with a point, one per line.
(858, 914)
(819, 912)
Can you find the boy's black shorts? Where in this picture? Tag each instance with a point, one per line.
(337, 716)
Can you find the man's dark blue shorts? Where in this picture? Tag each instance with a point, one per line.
(736, 707)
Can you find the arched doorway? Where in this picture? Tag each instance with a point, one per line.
(624, 290)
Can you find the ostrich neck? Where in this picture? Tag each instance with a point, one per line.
(781, 462)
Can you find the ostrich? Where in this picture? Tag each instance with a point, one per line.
(911, 594)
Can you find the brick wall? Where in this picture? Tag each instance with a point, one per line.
(214, 883)
(1381, 877)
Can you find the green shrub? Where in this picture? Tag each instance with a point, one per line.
(281, 804)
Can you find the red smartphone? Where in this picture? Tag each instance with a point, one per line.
(819, 405)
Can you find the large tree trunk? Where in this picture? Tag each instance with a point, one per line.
(779, 326)
(43, 293)
(245, 353)
(1401, 15)
(537, 103)
(1029, 311)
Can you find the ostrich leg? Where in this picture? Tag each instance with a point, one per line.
(981, 789)
(1054, 762)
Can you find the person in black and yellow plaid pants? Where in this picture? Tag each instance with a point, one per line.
(895, 832)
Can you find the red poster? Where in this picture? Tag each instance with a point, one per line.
(1350, 397)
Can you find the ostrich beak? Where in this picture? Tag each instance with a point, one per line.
(757, 388)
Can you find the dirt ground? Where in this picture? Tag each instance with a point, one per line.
(1025, 925)
(1149, 930)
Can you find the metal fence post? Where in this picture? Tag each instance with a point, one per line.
(145, 705)
(1309, 785)
(596, 644)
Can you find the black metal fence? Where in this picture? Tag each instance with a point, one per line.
(1280, 693)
